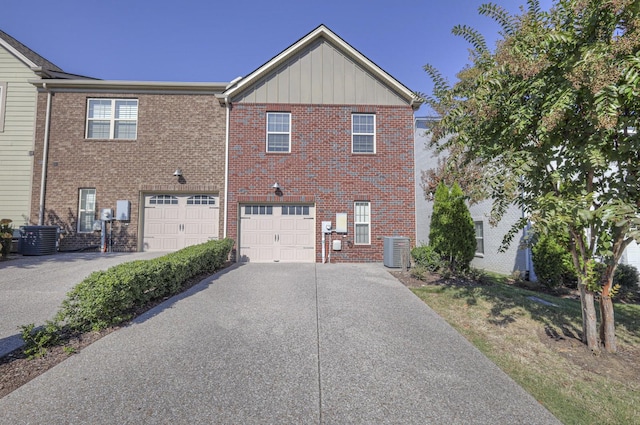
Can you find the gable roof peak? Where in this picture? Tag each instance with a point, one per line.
(30, 58)
(321, 31)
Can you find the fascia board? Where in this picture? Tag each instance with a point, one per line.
(128, 86)
(17, 54)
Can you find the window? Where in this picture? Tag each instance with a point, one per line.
(112, 119)
(278, 132)
(258, 210)
(362, 220)
(479, 237)
(201, 200)
(3, 101)
(363, 133)
(86, 210)
(163, 200)
(295, 210)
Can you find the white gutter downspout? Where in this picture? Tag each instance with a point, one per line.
(226, 168)
(45, 154)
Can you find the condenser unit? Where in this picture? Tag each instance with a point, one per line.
(394, 247)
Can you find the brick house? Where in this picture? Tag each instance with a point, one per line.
(180, 163)
(319, 134)
(119, 146)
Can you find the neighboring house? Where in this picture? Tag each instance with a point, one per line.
(18, 65)
(489, 238)
(119, 145)
(335, 132)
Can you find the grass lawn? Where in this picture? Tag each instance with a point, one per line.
(535, 338)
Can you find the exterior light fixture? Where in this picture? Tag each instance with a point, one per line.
(178, 172)
(276, 186)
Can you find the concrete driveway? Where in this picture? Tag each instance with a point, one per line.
(280, 344)
(33, 287)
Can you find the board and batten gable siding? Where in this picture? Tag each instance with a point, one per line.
(320, 74)
(16, 138)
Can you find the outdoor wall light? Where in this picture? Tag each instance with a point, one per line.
(178, 173)
(277, 189)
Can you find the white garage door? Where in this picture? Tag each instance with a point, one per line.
(172, 222)
(271, 233)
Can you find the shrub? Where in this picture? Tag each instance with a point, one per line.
(552, 262)
(107, 298)
(626, 276)
(452, 231)
(425, 256)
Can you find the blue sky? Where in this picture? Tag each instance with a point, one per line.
(209, 40)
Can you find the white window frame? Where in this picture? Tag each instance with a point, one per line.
(3, 103)
(270, 149)
(89, 208)
(478, 224)
(112, 120)
(355, 133)
(360, 220)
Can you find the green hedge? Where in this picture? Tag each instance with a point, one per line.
(107, 298)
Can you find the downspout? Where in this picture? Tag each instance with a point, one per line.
(45, 154)
(226, 168)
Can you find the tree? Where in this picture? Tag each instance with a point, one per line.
(452, 233)
(552, 116)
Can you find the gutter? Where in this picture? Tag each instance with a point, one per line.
(226, 167)
(45, 155)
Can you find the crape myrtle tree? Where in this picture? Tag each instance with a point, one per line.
(552, 115)
(452, 233)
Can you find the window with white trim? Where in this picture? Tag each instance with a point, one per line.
(362, 222)
(3, 102)
(278, 132)
(163, 200)
(363, 133)
(86, 210)
(479, 237)
(112, 119)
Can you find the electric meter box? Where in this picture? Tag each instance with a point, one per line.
(106, 214)
(123, 210)
(326, 227)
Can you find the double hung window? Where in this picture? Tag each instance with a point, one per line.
(278, 132)
(112, 119)
(479, 237)
(86, 210)
(363, 133)
(362, 220)
(3, 101)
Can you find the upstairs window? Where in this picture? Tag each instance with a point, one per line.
(112, 119)
(363, 133)
(278, 132)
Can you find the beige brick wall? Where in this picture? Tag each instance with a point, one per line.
(184, 131)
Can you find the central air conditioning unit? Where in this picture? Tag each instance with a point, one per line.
(397, 249)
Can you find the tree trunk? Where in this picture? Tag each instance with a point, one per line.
(607, 324)
(589, 321)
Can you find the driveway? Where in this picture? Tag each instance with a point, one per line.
(33, 287)
(280, 343)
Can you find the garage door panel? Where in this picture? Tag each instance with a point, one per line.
(172, 222)
(275, 236)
